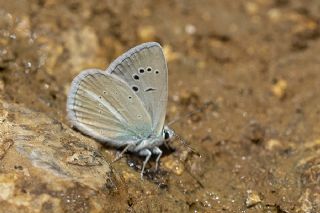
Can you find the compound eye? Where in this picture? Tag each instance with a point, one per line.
(166, 135)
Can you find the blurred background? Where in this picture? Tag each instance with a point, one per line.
(256, 62)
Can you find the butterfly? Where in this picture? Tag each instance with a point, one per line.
(125, 105)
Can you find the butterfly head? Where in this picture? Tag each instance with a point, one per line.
(168, 134)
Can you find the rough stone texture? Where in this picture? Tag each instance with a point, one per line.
(49, 167)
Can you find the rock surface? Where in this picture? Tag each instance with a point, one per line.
(47, 167)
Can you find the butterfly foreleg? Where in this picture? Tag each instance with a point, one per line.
(122, 152)
(157, 151)
(147, 153)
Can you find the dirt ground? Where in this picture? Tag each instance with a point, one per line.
(255, 65)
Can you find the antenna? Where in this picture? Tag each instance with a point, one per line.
(201, 109)
(187, 145)
(205, 105)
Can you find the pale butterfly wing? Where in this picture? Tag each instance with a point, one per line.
(104, 107)
(144, 69)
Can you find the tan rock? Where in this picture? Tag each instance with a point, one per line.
(253, 198)
(251, 8)
(84, 49)
(147, 33)
(272, 144)
(7, 186)
(173, 165)
(45, 163)
(170, 54)
(279, 88)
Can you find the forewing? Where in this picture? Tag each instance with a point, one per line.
(144, 69)
(104, 107)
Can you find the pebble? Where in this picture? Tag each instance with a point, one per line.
(272, 144)
(251, 8)
(7, 186)
(274, 14)
(173, 165)
(190, 29)
(147, 33)
(253, 198)
(279, 88)
(170, 54)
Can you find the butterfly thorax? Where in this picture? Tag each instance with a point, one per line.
(148, 143)
(154, 140)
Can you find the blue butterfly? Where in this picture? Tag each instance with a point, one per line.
(125, 105)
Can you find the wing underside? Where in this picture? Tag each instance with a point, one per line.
(106, 108)
(144, 69)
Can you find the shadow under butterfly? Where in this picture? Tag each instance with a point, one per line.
(125, 105)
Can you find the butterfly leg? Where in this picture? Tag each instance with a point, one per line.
(122, 152)
(157, 151)
(147, 153)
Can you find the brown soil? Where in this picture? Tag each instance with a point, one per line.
(255, 64)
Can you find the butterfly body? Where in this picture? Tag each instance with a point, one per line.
(125, 105)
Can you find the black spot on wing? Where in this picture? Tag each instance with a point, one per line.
(136, 77)
(135, 88)
(141, 70)
(150, 89)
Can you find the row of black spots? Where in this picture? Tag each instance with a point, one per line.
(142, 70)
(137, 78)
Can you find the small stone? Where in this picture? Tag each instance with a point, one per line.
(170, 54)
(146, 33)
(306, 30)
(253, 198)
(5, 144)
(274, 14)
(306, 204)
(279, 88)
(23, 27)
(272, 144)
(313, 144)
(251, 8)
(190, 29)
(7, 186)
(216, 43)
(173, 165)
(129, 175)
(85, 158)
